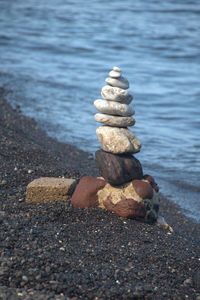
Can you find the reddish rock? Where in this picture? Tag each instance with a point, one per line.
(126, 208)
(118, 169)
(143, 189)
(134, 200)
(85, 194)
(152, 182)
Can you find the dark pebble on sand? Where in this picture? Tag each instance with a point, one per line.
(196, 280)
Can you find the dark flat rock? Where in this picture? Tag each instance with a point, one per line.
(118, 169)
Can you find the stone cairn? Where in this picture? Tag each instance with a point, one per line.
(116, 163)
(122, 189)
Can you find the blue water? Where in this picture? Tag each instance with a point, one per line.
(56, 54)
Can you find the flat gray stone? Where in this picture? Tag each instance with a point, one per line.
(114, 74)
(116, 94)
(120, 82)
(115, 121)
(117, 140)
(113, 108)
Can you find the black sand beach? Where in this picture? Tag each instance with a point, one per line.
(56, 251)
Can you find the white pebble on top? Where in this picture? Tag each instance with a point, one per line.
(116, 69)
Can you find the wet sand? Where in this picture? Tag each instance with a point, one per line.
(56, 251)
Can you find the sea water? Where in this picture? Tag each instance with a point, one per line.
(56, 54)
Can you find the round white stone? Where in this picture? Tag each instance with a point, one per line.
(120, 82)
(116, 69)
(114, 74)
(116, 94)
(114, 120)
(113, 108)
(117, 140)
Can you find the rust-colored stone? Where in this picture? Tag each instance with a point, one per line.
(126, 208)
(152, 182)
(143, 189)
(85, 194)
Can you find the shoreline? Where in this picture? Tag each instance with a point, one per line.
(152, 263)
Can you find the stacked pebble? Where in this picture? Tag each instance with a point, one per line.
(123, 189)
(115, 160)
(116, 114)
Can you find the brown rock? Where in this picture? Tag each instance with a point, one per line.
(46, 189)
(85, 194)
(126, 208)
(118, 169)
(152, 182)
(124, 200)
(143, 189)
